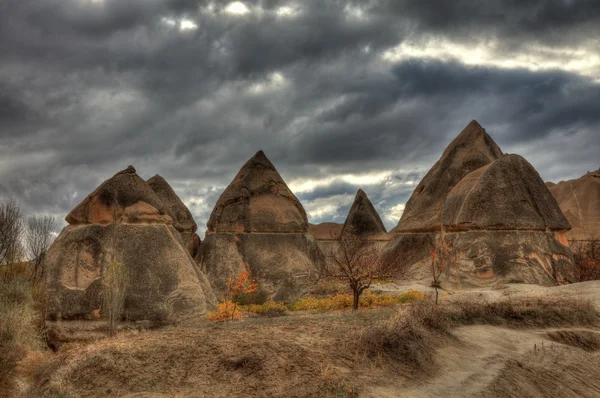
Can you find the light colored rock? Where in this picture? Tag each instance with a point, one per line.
(163, 282)
(259, 225)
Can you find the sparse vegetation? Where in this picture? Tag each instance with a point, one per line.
(441, 257)
(358, 263)
(114, 284)
(238, 288)
(20, 324)
(38, 237)
(345, 300)
(587, 258)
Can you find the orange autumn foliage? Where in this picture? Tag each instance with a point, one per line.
(237, 287)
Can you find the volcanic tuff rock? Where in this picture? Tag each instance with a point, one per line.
(123, 218)
(182, 218)
(363, 220)
(579, 200)
(472, 149)
(495, 211)
(258, 200)
(259, 225)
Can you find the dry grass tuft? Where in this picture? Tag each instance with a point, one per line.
(20, 329)
(584, 339)
(538, 312)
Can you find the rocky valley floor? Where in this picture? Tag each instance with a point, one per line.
(320, 355)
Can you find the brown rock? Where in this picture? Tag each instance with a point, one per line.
(472, 149)
(114, 196)
(579, 200)
(325, 230)
(181, 215)
(258, 200)
(363, 220)
(163, 283)
(507, 194)
(495, 211)
(259, 225)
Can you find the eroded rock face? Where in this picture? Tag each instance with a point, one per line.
(471, 150)
(363, 220)
(258, 200)
(163, 283)
(579, 200)
(500, 219)
(259, 225)
(182, 218)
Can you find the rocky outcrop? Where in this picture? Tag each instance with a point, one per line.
(471, 149)
(259, 225)
(182, 218)
(363, 220)
(496, 213)
(123, 220)
(579, 200)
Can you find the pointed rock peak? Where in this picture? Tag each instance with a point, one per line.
(474, 138)
(363, 219)
(258, 200)
(471, 149)
(258, 161)
(181, 215)
(129, 170)
(125, 193)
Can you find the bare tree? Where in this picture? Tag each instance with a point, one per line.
(11, 231)
(359, 262)
(114, 280)
(441, 257)
(38, 237)
(587, 258)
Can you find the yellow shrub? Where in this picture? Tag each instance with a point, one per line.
(225, 310)
(269, 308)
(344, 300)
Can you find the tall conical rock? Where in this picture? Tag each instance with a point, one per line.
(258, 200)
(496, 213)
(259, 225)
(123, 220)
(579, 199)
(363, 220)
(470, 150)
(182, 217)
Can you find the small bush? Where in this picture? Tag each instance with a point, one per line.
(269, 309)
(226, 310)
(20, 331)
(344, 300)
(410, 338)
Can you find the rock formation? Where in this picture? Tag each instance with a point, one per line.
(362, 222)
(124, 220)
(494, 209)
(579, 200)
(182, 218)
(259, 225)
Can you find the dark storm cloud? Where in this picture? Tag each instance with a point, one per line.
(88, 87)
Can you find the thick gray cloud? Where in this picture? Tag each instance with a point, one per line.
(341, 95)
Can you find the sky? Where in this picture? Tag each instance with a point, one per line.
(340, 95)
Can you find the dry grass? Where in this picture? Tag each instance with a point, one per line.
(20, 329)
(584, 339)
(412, 336)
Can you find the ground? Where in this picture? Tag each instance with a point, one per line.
(318, 355)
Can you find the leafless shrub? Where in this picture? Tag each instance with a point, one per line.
(38, 237)
(587, 258)
(358, 263)
(11, 231)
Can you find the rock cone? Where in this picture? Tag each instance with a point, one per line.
(496, 212)
(259, 225)
(363, 220)
(470, 150)
(182, 218)
(123, 220)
